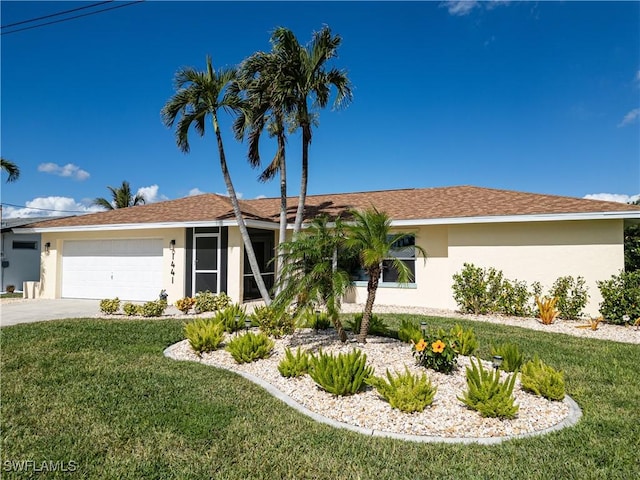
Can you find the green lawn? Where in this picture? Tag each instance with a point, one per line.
(100, 393)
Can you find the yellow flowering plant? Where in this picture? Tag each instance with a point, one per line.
(437, 351)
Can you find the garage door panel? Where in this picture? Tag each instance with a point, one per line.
(130, 269)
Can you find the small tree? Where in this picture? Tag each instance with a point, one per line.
(310, 274)
(370, 235)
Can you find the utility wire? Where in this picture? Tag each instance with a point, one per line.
(55, 14)
(43, 209)
(71, 18)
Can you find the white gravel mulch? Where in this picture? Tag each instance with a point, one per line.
(447, 417)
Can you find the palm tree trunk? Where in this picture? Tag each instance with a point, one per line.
(306, 140)
(253, 262)
(372, 288)
(283, 203)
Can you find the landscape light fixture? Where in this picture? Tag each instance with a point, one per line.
(497, 361)
(237, 324)
(423, 328)
(247, 323)
(317, 326)
(47, 246)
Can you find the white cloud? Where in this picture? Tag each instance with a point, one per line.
(68, 170)
(629, 117)
(638, 76)
(195, 191)
(613, 197)
(49, 207)
(460, 7)
(225, 194)
(151, 194)
(260, 196)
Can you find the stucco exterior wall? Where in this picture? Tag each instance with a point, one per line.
(535, 251)
(51, 262)
(235, 270)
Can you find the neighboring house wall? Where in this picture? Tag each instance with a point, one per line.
(52, 262)
(22, 262)
(535, 251)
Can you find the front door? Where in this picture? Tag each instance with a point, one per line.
(206, 263)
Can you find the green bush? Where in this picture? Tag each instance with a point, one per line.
(512, 358)
(131, 309)
(250, 347)
(487, 394)
(409, 332)
(273, 322)
(185, 304)
(309, 319)
(294, 365)
(154, 308)
(436, 351)
(376, 325)
(543, 380)
(620, 297)
(405, 391)
(572, 296)
(477, 290)
(344, 374)
(204, 335)
(514, 299)
(110, 306)
(232, 317)
(210, 302)
(466, 341)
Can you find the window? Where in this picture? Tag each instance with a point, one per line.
(405, 251)
(25, 245)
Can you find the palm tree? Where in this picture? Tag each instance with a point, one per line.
(303, 78)
(200, 94)
(311, 277)
(121, 197)
(264, 108)
(370, 235)
(11, 169)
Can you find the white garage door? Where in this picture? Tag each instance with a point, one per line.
(127, 269)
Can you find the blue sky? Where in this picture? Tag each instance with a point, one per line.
(532, 96)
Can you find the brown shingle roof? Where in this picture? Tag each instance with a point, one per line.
(406, 204)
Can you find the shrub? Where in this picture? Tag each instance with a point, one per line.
(185, 304)
(232, 317)
(110, 306)
(477, 290)
(273, 322)
(487, 394)
(572, 296)
(465, 340)
(209, 302)
(344, 374)
(309, 319)
(204, 335)
(154, 308)
(409, 332)
(514, 299)
(405, 391)
(376, 325)
(543, 380)
(294, 365)
(250, 347)
(620, 297)
(547, 311)
(512, 358)
(131, 309)
(436, 351)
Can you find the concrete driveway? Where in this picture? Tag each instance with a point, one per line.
(28, 311)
